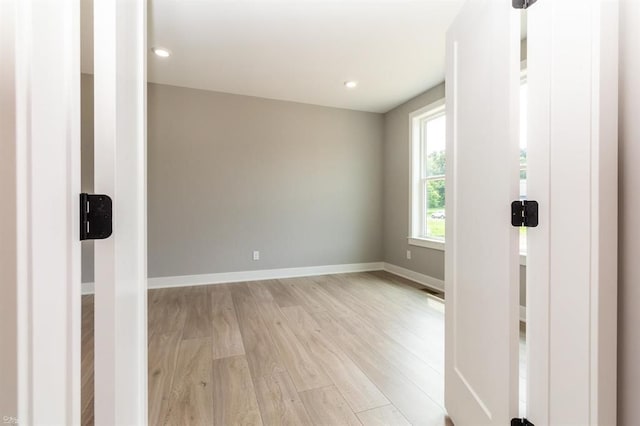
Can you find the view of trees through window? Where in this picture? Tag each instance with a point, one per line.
(433, 169)
(434, 143)
(523, 158)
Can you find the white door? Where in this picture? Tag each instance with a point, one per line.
(481, 265)
(120, 172)
(572, 255)
(39, 233)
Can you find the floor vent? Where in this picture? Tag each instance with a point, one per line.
(432, 292)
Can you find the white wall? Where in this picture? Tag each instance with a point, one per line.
(629, 231)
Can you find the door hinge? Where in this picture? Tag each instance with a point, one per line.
(522, 4)
(521, 422)
(524, 213)
(95, 216)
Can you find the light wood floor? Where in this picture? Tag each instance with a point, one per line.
(349, 349)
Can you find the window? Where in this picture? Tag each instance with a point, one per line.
(523, 156)
(428, 146)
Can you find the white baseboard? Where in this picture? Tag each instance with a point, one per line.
(425, 280)
(264, 274)
(307, 271)
(88, 288)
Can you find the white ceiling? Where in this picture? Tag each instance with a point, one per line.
(299, 50)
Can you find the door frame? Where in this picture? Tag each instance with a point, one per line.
(40, 267)
(573, 173)
(120, 158)
(40, 246)
(40, 101)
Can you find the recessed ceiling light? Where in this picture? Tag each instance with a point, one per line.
(350, 84)
(163, 53)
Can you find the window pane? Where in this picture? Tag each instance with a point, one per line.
(523, 158)
(435, 141)
(434, 166)
(435, 208)
(428, 178)
(523, 140)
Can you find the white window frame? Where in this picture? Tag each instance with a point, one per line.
(523, 80)
(417, 231)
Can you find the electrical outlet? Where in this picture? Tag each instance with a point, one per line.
(256, 255)
(409, 254)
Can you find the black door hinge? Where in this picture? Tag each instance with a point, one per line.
(522, 4)
(95, 216)
(521, 422)
(524, 213)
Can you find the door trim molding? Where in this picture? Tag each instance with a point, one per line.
(40, 107)
(120, 165)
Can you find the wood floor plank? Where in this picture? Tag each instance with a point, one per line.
(422, 374)
(190, 400)
(260, 291)
(409, 309)
(410, 299)
(162, 359)
(429, 350)
(296, 287)
(198, 322)
(86, 371)
(383, 416)
(87, 414)
(234, 397)
(373, 336)
(403, 294)
(86, 360)
(281, 293)
(414, 404)
(166, 310)
(359, 392)
(425, 343)
(314, 287)
(262, 354)
(305, 372)
(328, 408)
(226, 337)
(280, 404)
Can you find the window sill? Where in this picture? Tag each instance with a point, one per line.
(426, 243)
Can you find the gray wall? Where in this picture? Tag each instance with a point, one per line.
(86, 174)
(629, 232)
(230, 174)
(396, 191)
(8, 236)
